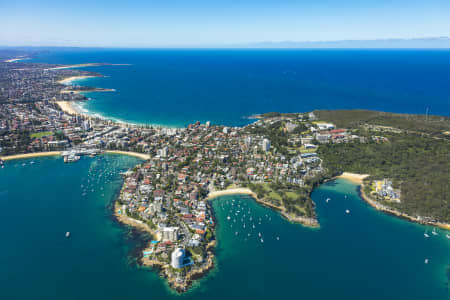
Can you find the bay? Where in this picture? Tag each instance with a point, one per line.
(363, 254)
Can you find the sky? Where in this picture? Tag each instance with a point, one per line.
(215, 23)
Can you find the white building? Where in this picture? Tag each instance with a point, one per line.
(265, 145)
(248, 141)
(169, 234)
(164, 152)
(325, 126)
(177, 258)
(86, 125)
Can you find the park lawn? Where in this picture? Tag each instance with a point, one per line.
(40, 134)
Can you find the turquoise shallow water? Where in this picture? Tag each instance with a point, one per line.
(361, 255)
(178, 87)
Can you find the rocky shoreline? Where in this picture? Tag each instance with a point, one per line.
(378, 206)
(163, 268)
(305, 221)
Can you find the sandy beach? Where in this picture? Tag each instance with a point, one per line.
(67, 107)
(15, 59)
(135, 154)
(72, 78)
(236, 191)
(30, 155)
(353, 177)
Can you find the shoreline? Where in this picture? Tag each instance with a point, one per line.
(30, 155)
(67, 107)
(134, 154)
(58, 153)
(353, 177)
(358, 179)
(393, 212)
(74, 66)
(68, 80)
(305, 221)
(15, 59)
(162, 267)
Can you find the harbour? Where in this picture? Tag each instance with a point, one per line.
(320, 261)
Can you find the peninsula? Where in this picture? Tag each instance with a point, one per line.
(278, 160)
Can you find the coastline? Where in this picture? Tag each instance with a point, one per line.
(358, 179)
(305, 221)
(68, 80)
(353, 177)
(30, 155)
(15, 59)
(58, 153)
(135, 154)
(67, 107)
(397, 213)
(161, 267)
(74, 66)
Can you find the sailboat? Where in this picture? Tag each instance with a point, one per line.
(426, 234)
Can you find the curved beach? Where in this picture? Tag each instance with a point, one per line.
(135, 154)
(72, 78)
(31, 155)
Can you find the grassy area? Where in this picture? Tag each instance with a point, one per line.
(294, 200)
(40, 134)
(433, 125)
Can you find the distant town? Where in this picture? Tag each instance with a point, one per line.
(275, 159)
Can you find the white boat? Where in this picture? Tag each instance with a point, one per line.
(67, 234)
(278, 238)
(447, 236)
(228, 218)
(426, 260)
(31, 162)
(426, 235)
(434, 232)
(262, 241)
(328, 199)
(347, 211)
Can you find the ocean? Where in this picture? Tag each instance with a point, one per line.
(362, 255)
(178, 87)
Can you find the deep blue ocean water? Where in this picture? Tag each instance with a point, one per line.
(178, 87)
(362, 255)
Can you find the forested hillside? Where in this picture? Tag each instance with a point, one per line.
(418, 163)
